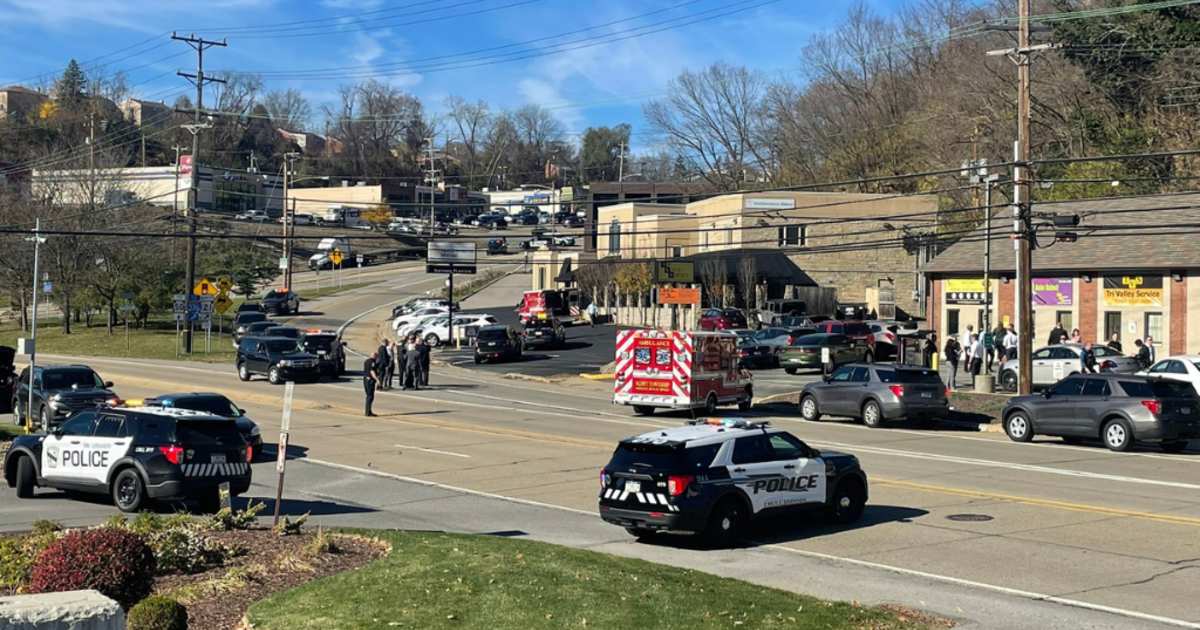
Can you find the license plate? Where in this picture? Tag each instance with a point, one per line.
(1185, 410)
(633, 486)
(538, 334)
(926, 394)
(491, 343)
(218, 458)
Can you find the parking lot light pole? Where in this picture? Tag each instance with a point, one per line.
(37, 240)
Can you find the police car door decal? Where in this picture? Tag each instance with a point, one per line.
(108, 444)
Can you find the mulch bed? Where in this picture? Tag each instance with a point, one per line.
(224, 610)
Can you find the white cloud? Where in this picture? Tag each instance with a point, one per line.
(366, 49)
(548, 95)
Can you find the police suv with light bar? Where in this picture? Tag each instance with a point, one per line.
(712, 476)
(134, 455)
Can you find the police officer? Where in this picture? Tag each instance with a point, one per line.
(1087, 359)
(412, 368)
(371, 380)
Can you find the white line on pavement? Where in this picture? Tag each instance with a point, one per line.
(431, 450)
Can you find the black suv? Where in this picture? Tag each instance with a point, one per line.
(8, 377)
(134, 455)
(59, 391)
(331, 353)
(279, 358)
(497, 246)
(243, 321)
(282, 302)
(217, 405)
(497, 342)
(545, 332)
(713, 476)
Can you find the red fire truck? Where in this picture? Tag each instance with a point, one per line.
(561, 303)
(679, 370)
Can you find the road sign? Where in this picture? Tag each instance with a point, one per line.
(283, 262)
(127, 295)
(444, 257)
(283, 440)
(359, 258)
(675, 272)
(179, 317)
(224, 284)
(47, 287)
(126, 308)
(678, 296)
(335, 256)
(204, 287)
(222, 303)
(185, 164)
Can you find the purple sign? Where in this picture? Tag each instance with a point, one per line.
(1053, 291)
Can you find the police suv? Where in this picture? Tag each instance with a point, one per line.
(712, 476)
(135, 455)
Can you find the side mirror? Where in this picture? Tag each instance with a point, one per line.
(813, 453)
(241, 411)
(827, 378)
(1046, 394)
(108, 383)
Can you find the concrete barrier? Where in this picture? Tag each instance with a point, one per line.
(73, 610)
(985, 383)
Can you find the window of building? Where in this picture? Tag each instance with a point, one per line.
(677, 252)
(614, 237)
(793, 235)
(1067, 319)
(1112, 325)
(1154, 327)
(729, 236)
(234, 197)
(952, 321)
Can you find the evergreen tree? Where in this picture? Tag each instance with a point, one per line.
(71, 86)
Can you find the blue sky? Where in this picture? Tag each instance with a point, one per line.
(595, 85)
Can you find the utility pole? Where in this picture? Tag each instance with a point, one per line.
(288, 217)
(37, 240)
(432, 181)
(989, 182)
(621, 164)
(175, 200)
(1022, 235)
(199, 80)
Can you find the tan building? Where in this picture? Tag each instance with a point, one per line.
(18, 101)
(853, 243)
(147, 113)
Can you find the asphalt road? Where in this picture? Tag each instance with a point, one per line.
(1000, 534)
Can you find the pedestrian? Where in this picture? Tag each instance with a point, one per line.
(989, 348)
(370, 381)
(1087, 359)
(998, 341)
(1076, 337)
(1114, 342)
(965, 344)
(952, 350)
(412, 369)
(1153, 352)
(976, 358)
(931, 349)
(425, 350)
(1057, 335)
(391, 363)
(592, 312)
(381, 354)
(1142, 358)
(338, 352)
(1011, 341)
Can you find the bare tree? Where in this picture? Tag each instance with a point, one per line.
(371, 119)
(469, 124)
(288, 109)
(747, 283)
(714, 275)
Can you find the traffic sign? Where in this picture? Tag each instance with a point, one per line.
(127, 295)
(222, 303)
(224, 284)
(335, 256)
(204, 287)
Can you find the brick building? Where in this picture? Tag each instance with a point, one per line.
(1134, 271)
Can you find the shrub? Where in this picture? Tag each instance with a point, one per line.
(157, 613)
(42, 527)
(183, 550)
(116, 562)
(321, 544)
(288, 527)
(15, 564)
(226, 519)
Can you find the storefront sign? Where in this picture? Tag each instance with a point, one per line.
(959, 291)
(769, 204)
(678, 296)
(1133, 291)
(1053, 292)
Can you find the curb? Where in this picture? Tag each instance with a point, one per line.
(514, 376)
(598, 377)
(786, 397)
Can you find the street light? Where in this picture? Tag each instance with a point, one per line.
(37, 239)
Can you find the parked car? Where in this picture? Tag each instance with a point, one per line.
(877, 393)
(331, 353)
(58, 392)
(803, 321)
(438, 329)
(1053, 363)
(493, 222)
(807, 352)
(564, 241)
(1182, 369)
(573, 222)
(413, 317)
(778, 310)
(857, 331)
(243, 321)
(416, 325)
(752, 353)
(498, 342)
(1117, 409)
(544, 331)
(250, 307)
(534, 243)
(419, 303)
(217, 405)
(279, 358)
(281, 302)
(722, 319)
(885, 338)
(258, 329)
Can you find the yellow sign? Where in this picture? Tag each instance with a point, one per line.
(966, 291)
(335, 256)
(1133, 291)
(204, 287)
(221, 303)
(224, 284)
(675, 272)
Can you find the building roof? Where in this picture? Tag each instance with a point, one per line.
(769, 263)
(23, 90)
(1120, 233)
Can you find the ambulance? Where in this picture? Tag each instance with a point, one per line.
(697, 371)
(563, 304)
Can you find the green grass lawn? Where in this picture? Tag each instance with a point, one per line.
(434, 580)
(8, 430)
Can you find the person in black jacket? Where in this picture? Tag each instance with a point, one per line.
(1115, 342)
(412, 369)
(1057, 335)
(1143, 354)
(381, 365)
(952, 351)
(370, 381)
(425, 351)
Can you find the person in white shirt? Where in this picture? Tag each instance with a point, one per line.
(975, 357)
(1010, 343)
(967, 338)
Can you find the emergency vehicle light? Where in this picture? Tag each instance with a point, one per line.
(134, 402)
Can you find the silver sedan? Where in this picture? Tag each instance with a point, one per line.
(1054, 363)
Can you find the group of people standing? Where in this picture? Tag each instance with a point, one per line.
(980, 353)
(408, 359)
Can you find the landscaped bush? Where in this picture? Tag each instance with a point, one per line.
(157, 613)
(18, 554)
(226, 519)
(116, 562)
(183, 550)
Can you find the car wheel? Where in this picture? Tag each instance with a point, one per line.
(847, 503)
(44, 418)
(1009, 380)
(643, 410)
(1174, 447)
(872, 415)
(128, 491)
(1116, 435)
(432, 339)
(748, 403)
(273, 375)
(243, 372)
(639, 532)
(1018, 427)
(869, 357)
(809, 410)
(791, 371)
(725, 523)
(25, 478)
(18, 415)
(710, 404)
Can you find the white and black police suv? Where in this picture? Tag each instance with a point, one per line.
(712, 476)
(135, 455)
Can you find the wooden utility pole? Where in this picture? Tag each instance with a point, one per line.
(199, 80)
(288, 218)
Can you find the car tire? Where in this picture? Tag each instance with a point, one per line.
(18, 415)
(1174, 447)
(1009, 380)
(748, 403)
(847, 502)
(1117, 435)
(25, 480)
(790, 371)
(243, 371)
(710, 404)
(725, 523)
(44, 418)
(273, 375)
(809, 409)
(643, 410)
(872, 415)
(433, 340)
(639, 532)
(1018, 426)
(128, 491)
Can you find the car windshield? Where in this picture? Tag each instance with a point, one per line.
(282, 346)
(65, 379)
(208, 433)
(273, 294)
(808, 340)
(1158, 389)
(249, 318)
(216, 405)
(493, 334)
